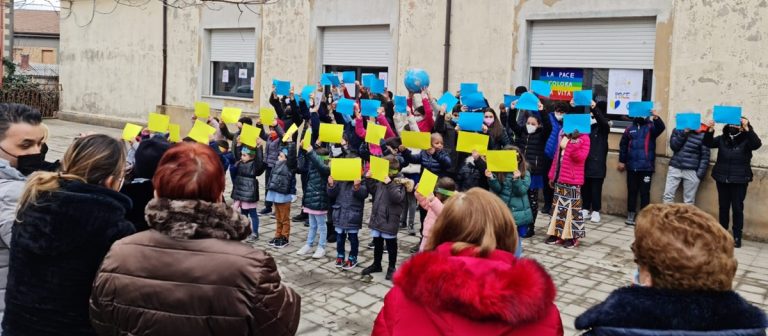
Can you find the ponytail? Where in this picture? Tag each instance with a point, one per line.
(42, 182)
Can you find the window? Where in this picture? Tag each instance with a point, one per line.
(233, 56)
(48, 57)
(379, 72)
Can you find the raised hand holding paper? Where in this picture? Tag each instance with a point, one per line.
(370, 107)
(349, 77)
(231, 115)
(289, 133)
(528, 101)
(131, 131)
(576, 122)
(158, 123)
(374, 133)
(640, 109)
(473, 100)
(174, 133)
(502, 160)
(249, 134)
(201, 132)
(202, 110)
(379, 168)
(689, 120)
(449, 100)
(345, 106)
(541, 88)
(468, 142)
(401, 104)
(377, 86)
(508, 99)
(307, 91)
(333, 78)
(346, 169)
(324, 80)
(467, 88)
(368, 79)
(427, 183)
(331, 133)
(582, 98)
(730, 115)
(282, 88)
(418, 140)
(470, 121)
(267, 115)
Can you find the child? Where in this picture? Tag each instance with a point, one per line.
(245, 188)
(434, 205)
(279, 194)
(347, 217)
(315, 199)
(388, 199)
(637, 155)
(688, 165)
(566, 177)
(513, 188)
(472, 173)
(272, 134)
(221, 147)
(531, 140)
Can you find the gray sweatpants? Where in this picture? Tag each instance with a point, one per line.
(690, 185)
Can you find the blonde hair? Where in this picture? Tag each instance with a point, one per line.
(91, 159)
(46, 131)
(475, 219)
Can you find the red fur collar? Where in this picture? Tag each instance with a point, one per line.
(499, 287)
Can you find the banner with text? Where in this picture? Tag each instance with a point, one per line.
(563, 81)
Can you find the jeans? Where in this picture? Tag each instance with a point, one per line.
(690, 185)
(317, 226)
(354, 243)
(254, 215)
(731, 197)
(592, 193)
(638, 182)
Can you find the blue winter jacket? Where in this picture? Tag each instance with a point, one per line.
(552, 143)
(690, 152)
(637, 149)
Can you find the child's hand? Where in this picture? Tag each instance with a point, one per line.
(401, 148)
(475, 154)
(368, 174)
(488, 173)
(621, 167)
(516, 174)
(330, 181)
(431, 151)
(386, 179)
(259, 142)
(485, 129)
(356, 184)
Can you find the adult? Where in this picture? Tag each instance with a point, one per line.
(139, 189)
(201, 279)
(684, 284)
(468, 281)
(65, 225)
(733, 170)
(21, 141)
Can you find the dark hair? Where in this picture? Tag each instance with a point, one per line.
(148, 155)
(190, 171)
(520, 90)
(245, 120)
(17, 113)
(323, 151)
(223, 144)
(562, 106)
(446, 183)
(521, 164)
(420, 109)
(394, 163)
(496, 129)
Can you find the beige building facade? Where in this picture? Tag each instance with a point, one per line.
(690, 54)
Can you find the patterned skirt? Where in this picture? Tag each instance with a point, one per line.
(567, 220)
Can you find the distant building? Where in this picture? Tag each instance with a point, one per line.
(36, 33)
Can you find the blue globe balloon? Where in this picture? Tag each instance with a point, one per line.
(415, 79)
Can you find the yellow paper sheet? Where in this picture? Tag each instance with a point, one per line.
(289, 132)
(427, 183)
(249, 134)
(267, 115)
(231, 115)
(201, 132)
(469, 141)
(158, 123)
(306, 143)
(331, 133)
(202, 110)
(131, 131)
(374, 133)
(418, 140)
(346, 169)
(379, 168)
(502, 160)
(175, 133)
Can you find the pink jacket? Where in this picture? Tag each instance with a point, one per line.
(433, 208)
(361, 132)
(572, 166)
(426, 124)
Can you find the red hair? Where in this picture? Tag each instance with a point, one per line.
(190, 171)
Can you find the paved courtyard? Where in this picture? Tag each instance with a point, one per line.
(336, 302)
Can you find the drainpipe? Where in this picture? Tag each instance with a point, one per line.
(447, 44)
(165, 51)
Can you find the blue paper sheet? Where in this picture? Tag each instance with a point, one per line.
(528, 101)
(306, 91)
(689, 120)
(368, 80)
(508, 99)
(471, 121)
(474, 100)
(728, 115)
(282, 88)
(324, 80)
(640, 109)
(541, 88)
(449, 100)
(345, 106)
(333, 78)
(576, 122)
(349, 77)
(377, 86)
(582, 98)
(401, 104)
(370, 107)
(467, 88)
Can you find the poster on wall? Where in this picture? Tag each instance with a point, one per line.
(563, 82)
(242, 73)
(225, 76)
(385, 77)
(624, 86)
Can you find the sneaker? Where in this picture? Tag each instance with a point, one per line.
(273, 241)
(553, 240)
(265, 211)
(571, 243)
(252, 238)
(283, 242)
(350, 264)
(304, 250)
(390, 273)
(630, 219)
(370, 245)
(371, 269)
(302, 217)
(595, 217)
(339, 262)
(584, 213)
(414, 249)
(331, 238)
(319, 253)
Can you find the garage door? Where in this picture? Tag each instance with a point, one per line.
(357, 46)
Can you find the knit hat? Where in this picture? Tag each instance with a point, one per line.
(148, 156)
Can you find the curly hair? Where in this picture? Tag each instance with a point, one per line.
(684, 248)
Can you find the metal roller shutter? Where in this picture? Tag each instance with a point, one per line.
(357, 46)
(233, 45)
(611, 43)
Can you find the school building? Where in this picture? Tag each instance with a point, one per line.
(119, 62)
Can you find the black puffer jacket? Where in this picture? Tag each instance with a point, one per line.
(532, 146)
(315, 194)
(734, 156)
(388, 203)
(594, 167)
(690, 152)
(246, 185)
(283, 173)
(349, 205)
(472, 174)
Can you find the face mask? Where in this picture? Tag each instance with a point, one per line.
(733, 131)
(531, 129)
(336, 151)
(592, 121)
(393, 172)
(558, 116)
(273, 135)
(488, 121)
(28, 164)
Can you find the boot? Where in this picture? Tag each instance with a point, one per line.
(378, 252)
(630, 219)
(302, 217)
(331, 237)
(390, 273)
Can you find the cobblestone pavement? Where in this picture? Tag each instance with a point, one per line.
(336, 302)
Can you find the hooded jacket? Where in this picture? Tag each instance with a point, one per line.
(349, 205)
(246, 185)
(637, 149)
(388, 203)
(595, 166)
(11, 186)
(57, 248)
(645, 311)
(570, 169)
(191, 275)
(514, 193)
(438, 293)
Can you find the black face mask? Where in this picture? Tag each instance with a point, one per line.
(28, 164)
(733, 131)
(640, 121)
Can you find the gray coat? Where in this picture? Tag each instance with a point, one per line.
(349, 206)
(272, 146)
(690, 152)
(11, 186)
(388, 203)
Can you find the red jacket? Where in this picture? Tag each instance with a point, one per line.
(437, 293)
(572, 165)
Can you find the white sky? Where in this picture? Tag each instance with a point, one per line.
(37, 4)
